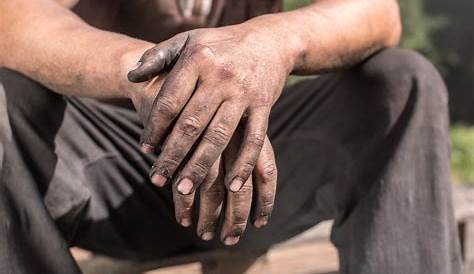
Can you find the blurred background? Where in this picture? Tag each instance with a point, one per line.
(444, 32)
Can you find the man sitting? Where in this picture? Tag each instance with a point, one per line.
(365, 143)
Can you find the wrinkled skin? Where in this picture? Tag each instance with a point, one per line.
(221, 85)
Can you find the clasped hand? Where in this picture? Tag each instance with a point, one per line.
(206, 108)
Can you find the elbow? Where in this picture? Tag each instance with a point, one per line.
(394, 24)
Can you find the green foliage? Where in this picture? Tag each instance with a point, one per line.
(294, 4)
(456, 43)
(462, 156)
(418, 29)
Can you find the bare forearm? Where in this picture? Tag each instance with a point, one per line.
(58, 49)
(333, 34)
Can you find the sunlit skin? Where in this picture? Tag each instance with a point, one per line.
(204, 96)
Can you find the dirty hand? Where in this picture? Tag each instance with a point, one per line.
(219, 79)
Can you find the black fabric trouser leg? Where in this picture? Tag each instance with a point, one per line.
(367, 147)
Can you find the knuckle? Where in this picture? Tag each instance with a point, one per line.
(183, 203)
(167, 166)
(217, 135)
(246, 169)
(209, 221)
(213, 195)
(168, 107)
(190, 126)
(207, 225)
(171, 157)
(262, 101)
(242, 196)
(226, 71)
(239, 218)
(160, 54)
(200, 53)
(200, 170)
(182, 212)
(184, 209)
(266, 205)
(268, 173)
(155, 53)
(256, 140)
(150, 53)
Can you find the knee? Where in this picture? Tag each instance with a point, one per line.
(27, 100)
(405, 81)
(27, 107)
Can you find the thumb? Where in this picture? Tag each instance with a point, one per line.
(158, 58)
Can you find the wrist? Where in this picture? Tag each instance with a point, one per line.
(128, 60)
(285, 41)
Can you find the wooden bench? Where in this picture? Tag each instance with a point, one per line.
(288, 257)
(464, 210)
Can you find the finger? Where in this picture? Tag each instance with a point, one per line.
(212, 194)
(254, 137)
(158, 58)
(175, 92)
(212, 144)
(238, 204)
(183, 207)
(186, 131)
(236, 213)
(265, 182)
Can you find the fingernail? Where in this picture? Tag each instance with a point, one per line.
(231, 240)
(147, 149)
(185, 222)
(185, 186)
(137, 65)
(207, 236)
(261, 222)
(158, 180)
(236, 185)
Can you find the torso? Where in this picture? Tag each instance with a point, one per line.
(157, 20)
(152, 20)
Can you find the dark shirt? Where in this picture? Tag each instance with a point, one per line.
(157, 20)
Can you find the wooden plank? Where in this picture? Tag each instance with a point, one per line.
(303, 259)
(463, 199)
(80, 255)
(179, 269)
(468, 244)
(312, 258)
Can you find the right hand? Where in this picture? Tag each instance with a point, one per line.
(213, 191)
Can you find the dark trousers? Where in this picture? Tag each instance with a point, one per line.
(367, 147)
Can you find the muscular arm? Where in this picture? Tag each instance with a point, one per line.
(332, 34)
(45, 41)
(57, 48)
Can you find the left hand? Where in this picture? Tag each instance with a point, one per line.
(254, 199)
(221, 75)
